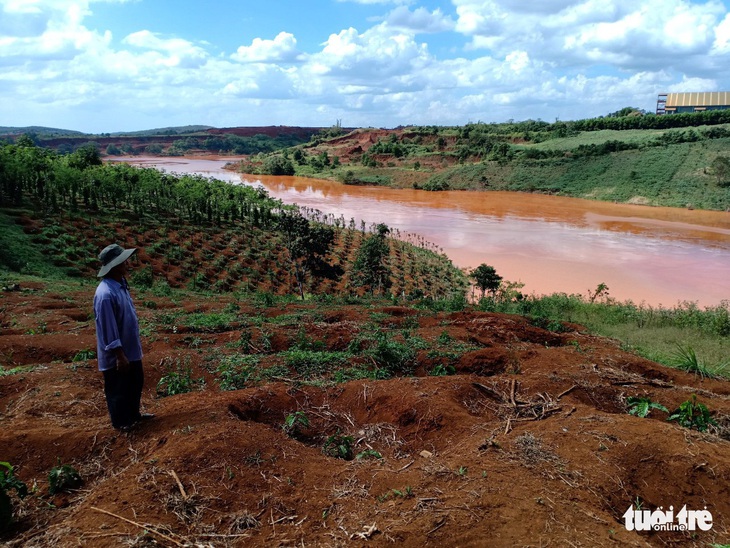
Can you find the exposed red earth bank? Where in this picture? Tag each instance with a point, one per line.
(528, 444)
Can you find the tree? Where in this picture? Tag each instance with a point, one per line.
(278, 165)
(153, 148)
(84, 157)
(298, 156)
(307, 244)
(371, 269)
(626, 111)
(25, 140)
(486, 278)
(721, 169)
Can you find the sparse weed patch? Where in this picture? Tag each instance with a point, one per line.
(178, 379)
(274, 372)
(237, 371)
(308, 363)
(305, 342)
(17, 370)
(405, 493)
(358, 372)
(441, 370)
(210, 323)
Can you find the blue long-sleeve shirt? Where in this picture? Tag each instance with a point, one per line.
(116, 324)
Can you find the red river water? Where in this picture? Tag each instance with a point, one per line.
(656, 255)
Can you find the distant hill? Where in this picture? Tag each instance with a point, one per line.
(178, 130)
(172, 141)
(247, 131)
(38, 130)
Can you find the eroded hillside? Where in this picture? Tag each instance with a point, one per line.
(457, 429)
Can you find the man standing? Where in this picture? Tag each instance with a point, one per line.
(118, 345)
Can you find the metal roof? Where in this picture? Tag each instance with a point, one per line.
(699, 99)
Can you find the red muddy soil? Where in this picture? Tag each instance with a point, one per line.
(528, 444)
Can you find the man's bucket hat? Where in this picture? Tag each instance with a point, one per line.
(111, 256)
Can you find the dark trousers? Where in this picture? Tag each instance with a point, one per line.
(123, 392)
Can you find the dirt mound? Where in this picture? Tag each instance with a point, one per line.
(528, 443)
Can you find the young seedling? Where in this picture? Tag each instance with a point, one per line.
(63, 477)
(692, 414)
(339, 446)
(369, 454)
(294, 423)
(441, 370)
(642, 406)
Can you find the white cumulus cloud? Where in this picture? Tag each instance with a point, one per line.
(283, 48)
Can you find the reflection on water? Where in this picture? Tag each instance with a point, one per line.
(656, 255)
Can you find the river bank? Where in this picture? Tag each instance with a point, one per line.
(660, 256)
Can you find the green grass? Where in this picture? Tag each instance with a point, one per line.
(598, 137)
(675, 175)
(311, 363)
(238, 371)
(654, 333)
(210, 322)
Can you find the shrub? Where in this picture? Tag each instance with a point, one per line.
(278, 165)
(436, 185)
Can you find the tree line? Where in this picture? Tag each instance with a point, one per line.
(79, 181)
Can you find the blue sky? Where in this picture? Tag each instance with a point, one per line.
(123, 65)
